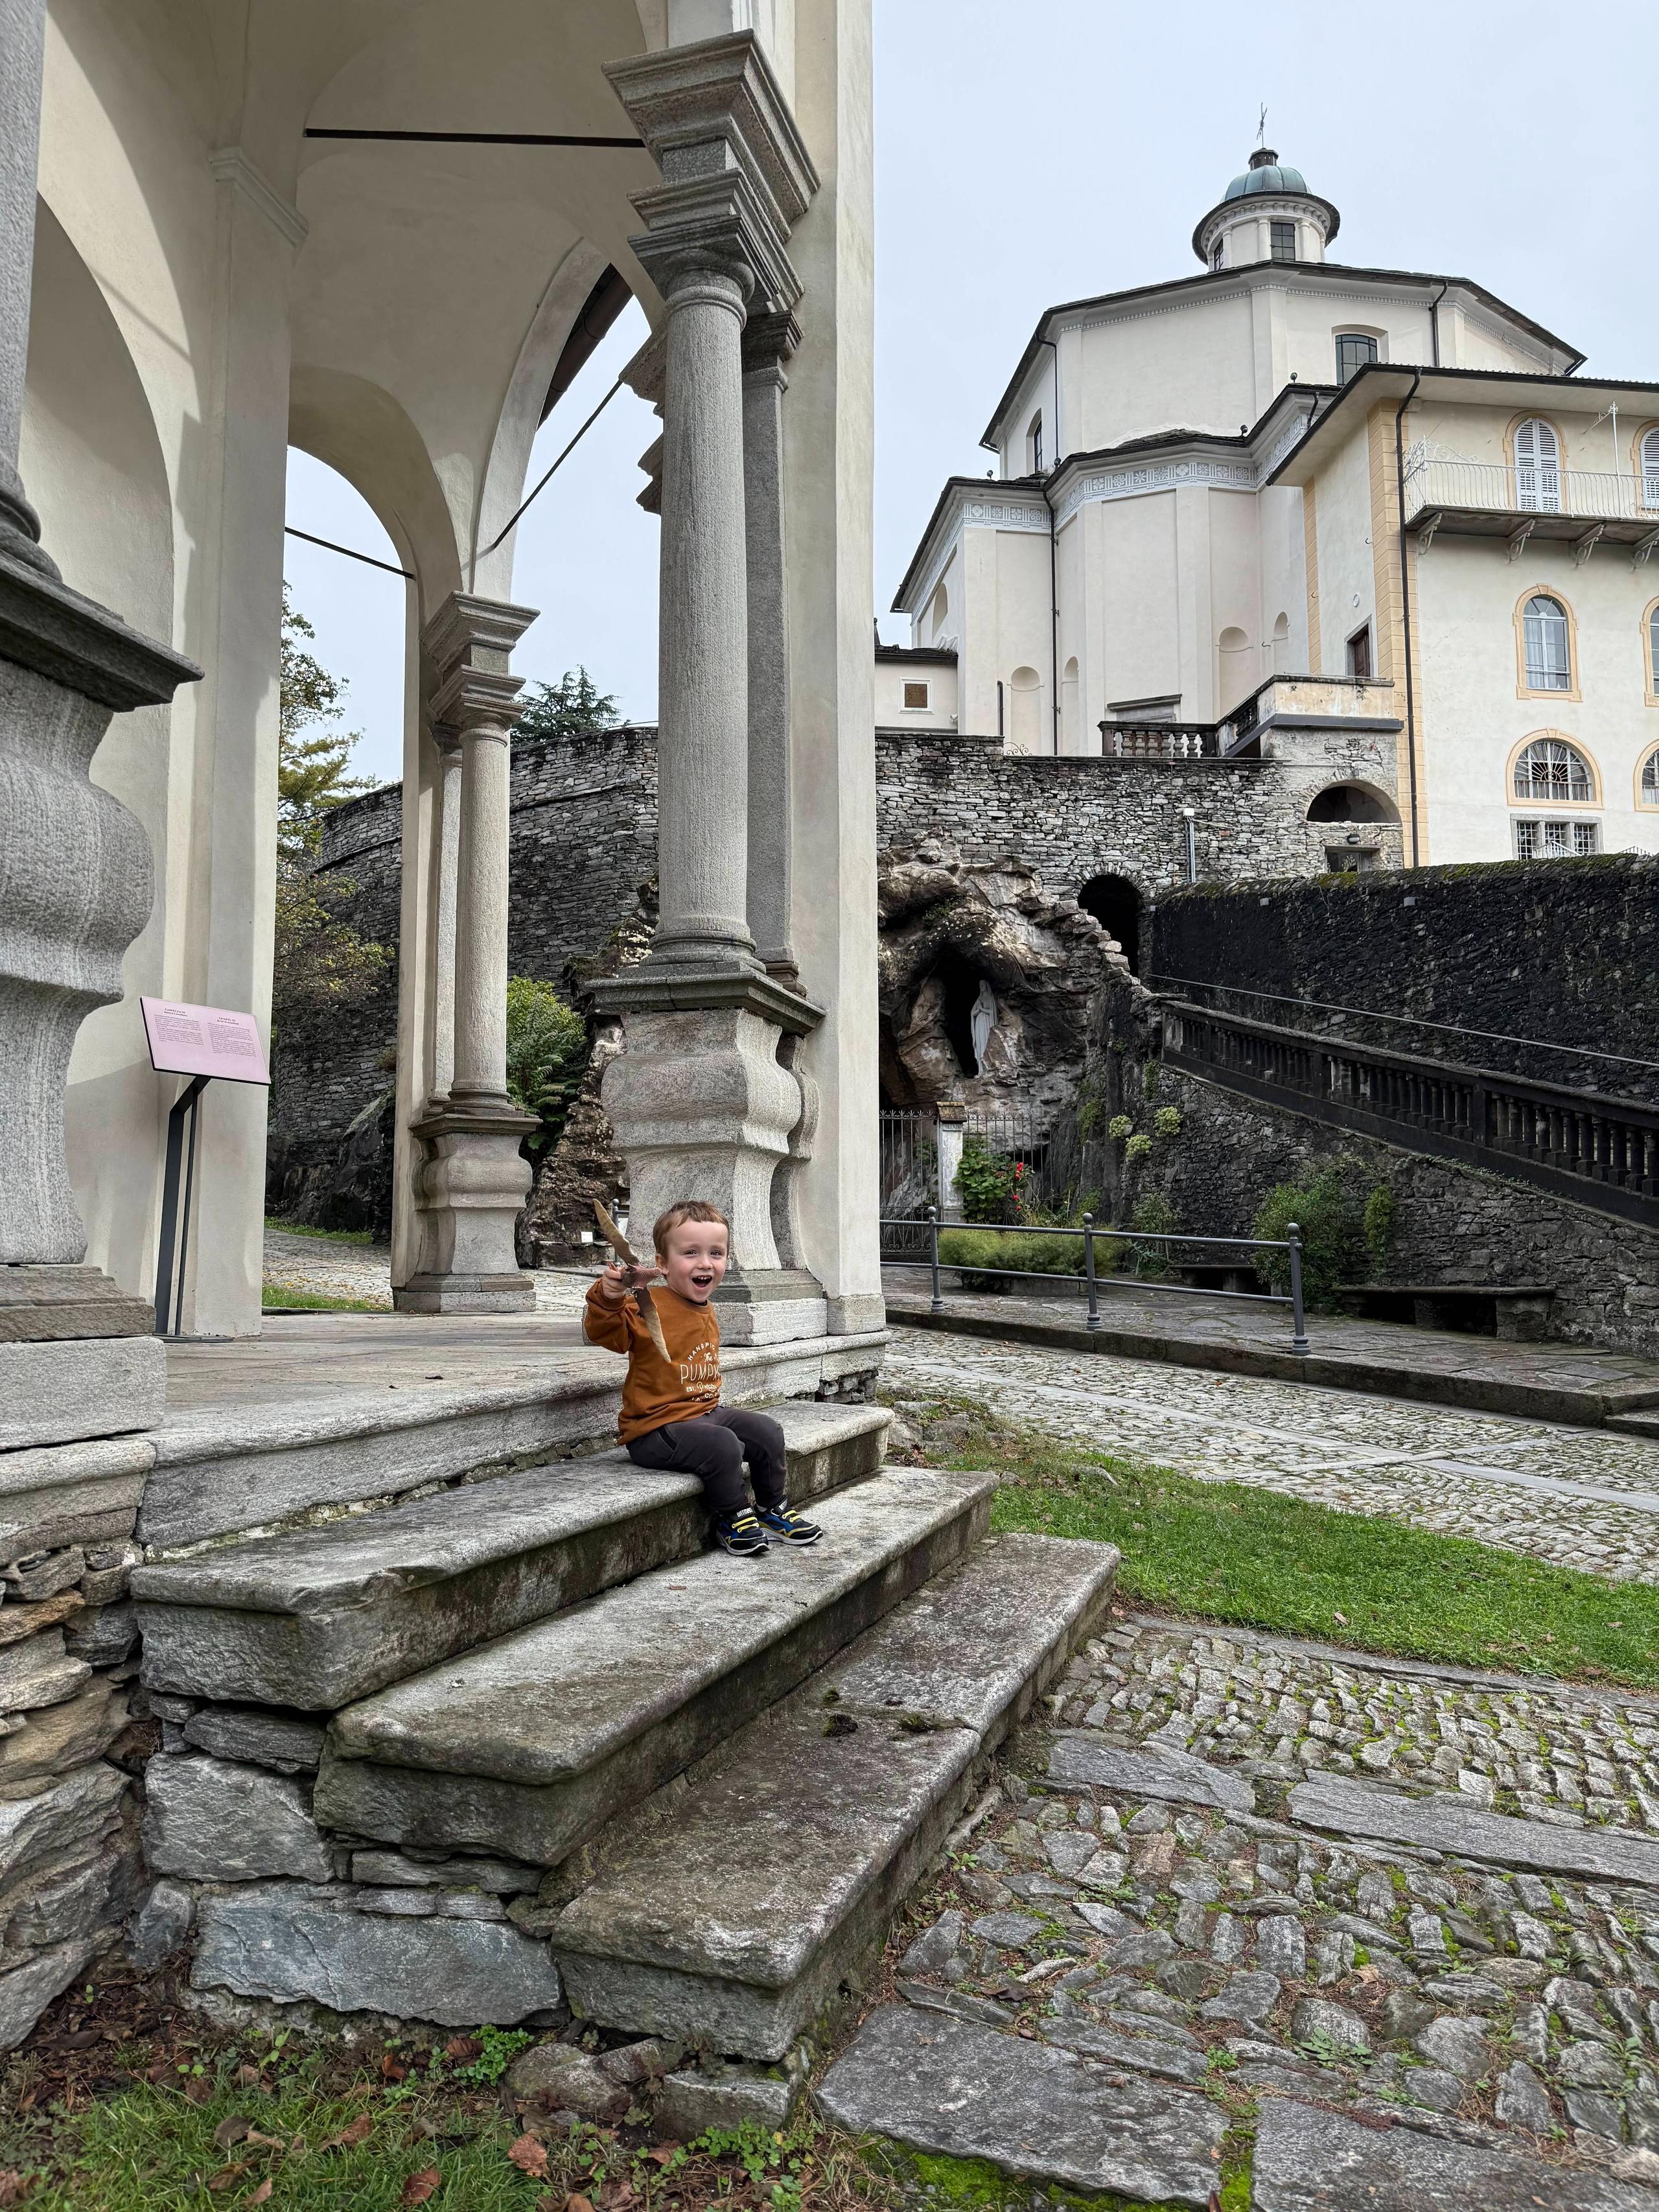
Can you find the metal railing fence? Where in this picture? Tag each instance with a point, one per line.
(1291, 1244)
(1601, 1152)
(1597, 494)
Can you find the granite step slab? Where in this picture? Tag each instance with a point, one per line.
(782, 1868)
(957, 2090)
(527, 1746)
(1311, 2159)
(1173, 1776)
(1361, 1809)
(319, 1618)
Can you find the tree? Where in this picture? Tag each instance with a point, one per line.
(311, 760)
(566, 708)
(320, 960)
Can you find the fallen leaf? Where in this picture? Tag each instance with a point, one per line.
(1341, 1619)
(419, 2186)
(247, 2076)
(578, 2204)
(14, 2186)
(227, 2176)
(232, 2130)
(530, 2157)
(393, 2068)
(662, 2152)
(270, 2143)
(349, 2137)
(261, 2193)
(461, 2050)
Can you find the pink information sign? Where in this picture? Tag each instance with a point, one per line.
(185, 1040)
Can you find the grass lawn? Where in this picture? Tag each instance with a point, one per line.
(329, 1236)
(1224, 1551)
(145, 2108)
(283, 1297)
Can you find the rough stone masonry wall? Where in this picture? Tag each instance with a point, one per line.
(1452, 1224)
(69, 1869)
(584, 840)
(1566, 952)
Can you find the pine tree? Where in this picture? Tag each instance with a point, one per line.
(567, 708)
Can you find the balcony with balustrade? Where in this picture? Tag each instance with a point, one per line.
(1520, 501)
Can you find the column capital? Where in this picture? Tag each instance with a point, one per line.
(769, 340)
(469, 644)
(736, 173)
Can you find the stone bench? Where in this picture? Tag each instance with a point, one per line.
(1518, 1313)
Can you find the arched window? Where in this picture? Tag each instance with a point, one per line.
(1653, 648)
(1650, 469)
(1551, 772)
(1281, 645)
(1537, 468)
(1549, 661)
(1647, 789)
(1351, 802)
(1026, 703)
(1034, 445)
(1069, 696)
(938, 612)
(1354, 350)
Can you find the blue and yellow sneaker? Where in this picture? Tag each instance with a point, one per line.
(788, 1526)
(741, 1534)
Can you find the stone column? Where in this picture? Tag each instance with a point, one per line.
(767, 344)
(473, 1180)
(703, 1102)
(443, 922)
(78, 1359)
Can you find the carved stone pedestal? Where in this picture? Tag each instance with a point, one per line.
(471, 1189)
(704, 1107)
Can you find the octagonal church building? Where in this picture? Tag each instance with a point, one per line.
(1288, 498)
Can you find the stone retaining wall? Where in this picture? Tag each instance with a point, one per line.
(1565, 952)
(584, 841)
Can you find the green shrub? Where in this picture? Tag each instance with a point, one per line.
(1153, 1216)
(987, 1182)
(1119, 1127)
(1166, 1123)
(546, 1054)
(973, 1250)
(1338, 1217)
(1137, 1147)
(1379, 1225)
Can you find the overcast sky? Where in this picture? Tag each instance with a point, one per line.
(1039, 152)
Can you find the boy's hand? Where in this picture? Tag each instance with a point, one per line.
(616, 1283)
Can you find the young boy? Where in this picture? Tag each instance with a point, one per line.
(672, 1415)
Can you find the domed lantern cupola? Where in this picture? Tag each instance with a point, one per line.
(1266, 215)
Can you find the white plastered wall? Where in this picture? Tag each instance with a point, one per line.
(893, 677)
(1347, 579)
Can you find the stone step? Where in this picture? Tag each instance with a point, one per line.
(529, 1746)
(736, 1925)
(322, 1617)
(1635, 1424)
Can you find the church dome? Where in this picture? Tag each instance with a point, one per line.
(1267, 213)
(1266, 173)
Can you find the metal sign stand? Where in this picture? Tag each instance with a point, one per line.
(175, 1238)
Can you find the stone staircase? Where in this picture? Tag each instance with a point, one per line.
(457, 1758)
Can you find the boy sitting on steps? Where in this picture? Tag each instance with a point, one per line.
(672, 1415)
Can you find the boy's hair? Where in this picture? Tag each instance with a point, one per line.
(686, 1209)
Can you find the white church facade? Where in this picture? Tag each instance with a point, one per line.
(1288, 495)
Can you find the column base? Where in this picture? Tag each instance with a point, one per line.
(79, 1356)
(770, 1306)
(470, 1193)
(466, 1294)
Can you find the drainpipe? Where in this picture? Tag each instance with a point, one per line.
(1405, 606)
(1053, 583)
(1434, 321)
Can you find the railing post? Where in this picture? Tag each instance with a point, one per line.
(1298, 1320)
(1089, 1269)
(938, 1305)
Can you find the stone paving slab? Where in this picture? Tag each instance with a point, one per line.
(1547, 1382)
(1445, 1824)
(1309, 2160)
(961, 2091)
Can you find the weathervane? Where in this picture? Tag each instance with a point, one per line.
(1261, 126)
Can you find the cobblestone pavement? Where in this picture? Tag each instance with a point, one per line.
(1579, 1498)
(339, 1270)
(1178, 1881)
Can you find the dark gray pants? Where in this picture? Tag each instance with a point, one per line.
(713, 1448)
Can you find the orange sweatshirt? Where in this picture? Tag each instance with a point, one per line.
(657, 1391)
